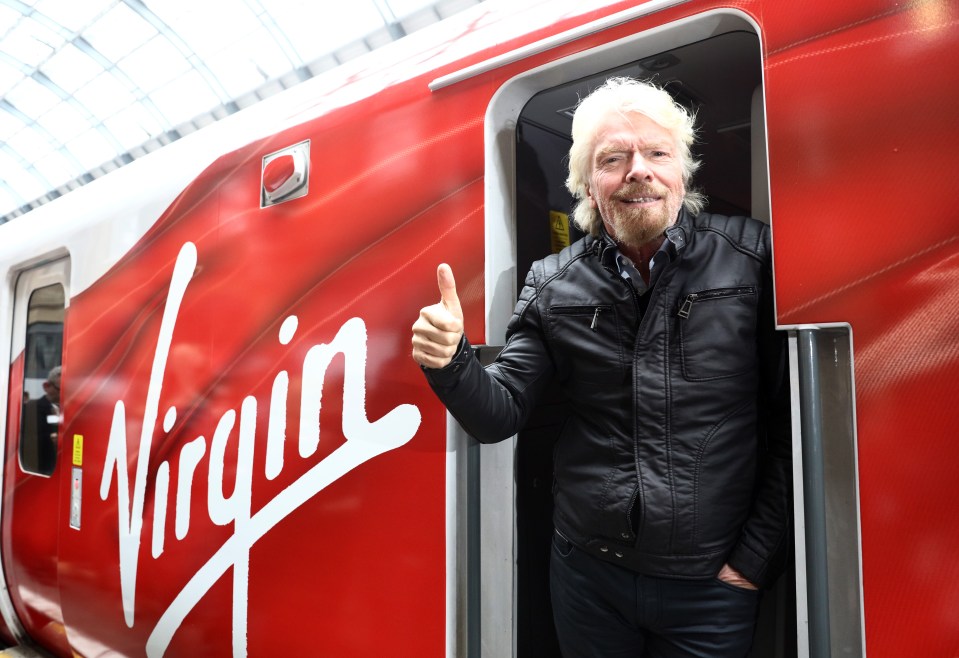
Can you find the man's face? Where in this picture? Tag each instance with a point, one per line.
(637, 178)
(52, 388)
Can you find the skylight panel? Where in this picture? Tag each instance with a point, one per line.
(64, 122)
(263, 53)
(73, 15)
(91, 149)
(8, 162)
(56, 169)
(314, 31)
(184, 98)
(154, 64)
(9, 125)
(70, 68)
(8, 18)
(29, 144)
(7, 197)
(104, 96)
(170, 10)
(119, 32)
(31, 43)
(27, 184)
(238, 71)
(32, 98)
(209, 27)
(401, 8)
(133, 126)
(10, 74)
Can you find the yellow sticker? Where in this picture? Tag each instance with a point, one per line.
(78, 450)
(558, 230)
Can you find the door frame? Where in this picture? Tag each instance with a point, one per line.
(23, 282)
(496, 468)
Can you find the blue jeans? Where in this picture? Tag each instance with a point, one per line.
(602, 610)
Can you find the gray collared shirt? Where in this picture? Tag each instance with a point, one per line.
(660, 259)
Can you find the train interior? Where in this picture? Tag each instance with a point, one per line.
(720, 79)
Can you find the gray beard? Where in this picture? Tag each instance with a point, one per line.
(635, 229)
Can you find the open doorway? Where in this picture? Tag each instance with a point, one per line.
(719, 78)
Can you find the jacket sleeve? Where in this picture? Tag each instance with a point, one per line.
(493, 404)
(765, 544)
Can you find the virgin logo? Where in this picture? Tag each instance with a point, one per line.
(364, 440)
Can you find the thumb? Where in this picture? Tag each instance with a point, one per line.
(447, 286)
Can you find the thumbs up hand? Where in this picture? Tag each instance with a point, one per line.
(437, 332)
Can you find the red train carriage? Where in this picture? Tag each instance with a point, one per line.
(241, 455)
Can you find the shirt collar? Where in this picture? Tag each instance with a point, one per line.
(674, 243)
(666, 252)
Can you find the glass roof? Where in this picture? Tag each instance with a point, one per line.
(89, 85)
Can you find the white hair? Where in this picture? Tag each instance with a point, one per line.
(625, 95)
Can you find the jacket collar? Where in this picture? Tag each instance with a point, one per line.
(678, 233)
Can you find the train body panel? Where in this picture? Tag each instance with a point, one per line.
(853, 115)
(247, 460)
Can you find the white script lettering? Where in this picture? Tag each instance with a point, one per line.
(364, 440)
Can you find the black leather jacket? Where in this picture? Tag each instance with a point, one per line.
(676, 454)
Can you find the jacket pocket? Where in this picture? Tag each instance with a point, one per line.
(590, 338)
(561, 544)
(717, 332)
(723, 481)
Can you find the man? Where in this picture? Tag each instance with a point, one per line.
(41, 419)
(672, 473)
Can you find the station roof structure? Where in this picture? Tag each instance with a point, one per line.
(88, 86)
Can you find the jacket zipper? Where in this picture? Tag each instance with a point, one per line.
(595, 321)
(633, 527)
(687, 306)
(583, 310)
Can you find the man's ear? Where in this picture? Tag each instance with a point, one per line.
(590, 198)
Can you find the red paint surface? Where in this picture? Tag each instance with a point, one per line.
(364, 560)
(862, 145)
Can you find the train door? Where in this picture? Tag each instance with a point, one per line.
(32, 515)
(711, 63)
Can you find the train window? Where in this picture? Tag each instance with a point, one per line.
(42, 355)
